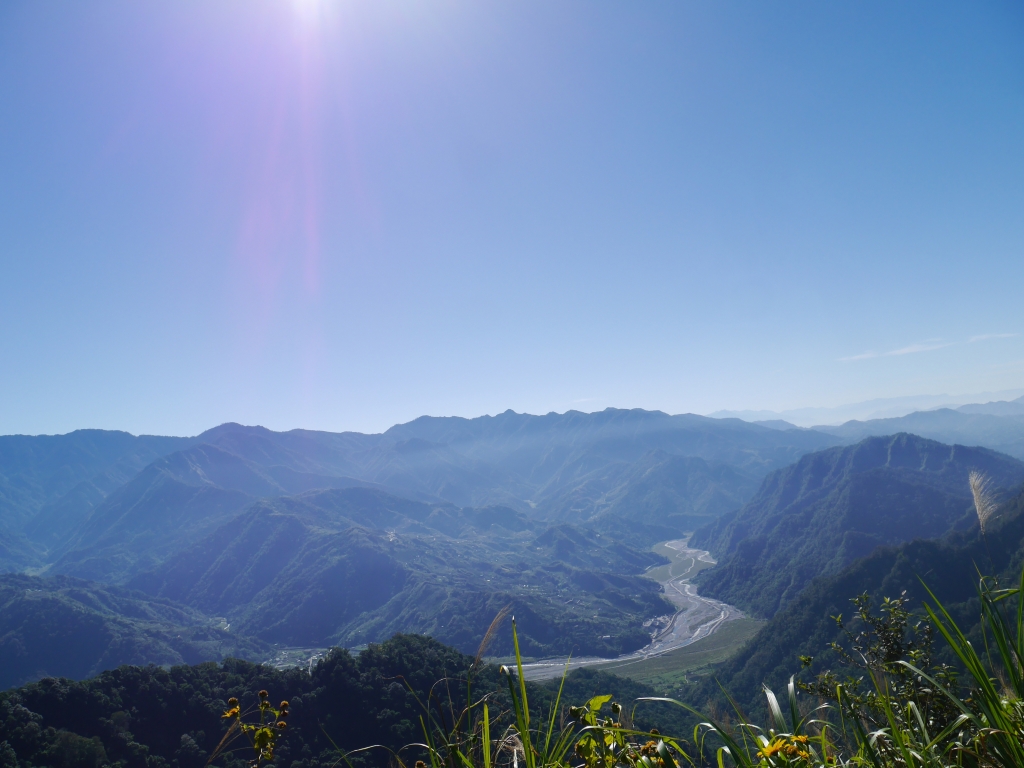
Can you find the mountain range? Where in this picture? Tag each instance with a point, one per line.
(1000, 431)
(878, 408)
(60, 495)
(313, 539)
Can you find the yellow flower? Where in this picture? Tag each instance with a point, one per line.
(233, 712)
(770, 749)
(801, 739)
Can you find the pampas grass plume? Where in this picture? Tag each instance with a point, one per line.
(490, 633)
(984, 502)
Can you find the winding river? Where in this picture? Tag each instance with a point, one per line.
(695, 618)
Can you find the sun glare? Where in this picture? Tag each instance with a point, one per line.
(310, 10)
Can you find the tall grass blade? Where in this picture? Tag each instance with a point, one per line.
(775, 709)
(487, 737)
(731, 748)
(554, 709)
(1003, 737)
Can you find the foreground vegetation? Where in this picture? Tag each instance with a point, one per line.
(902, 709)
(893, 703)
(151, 717)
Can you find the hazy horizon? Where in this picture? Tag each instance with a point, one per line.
(806, 416)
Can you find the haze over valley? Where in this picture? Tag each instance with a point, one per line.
(245, 541)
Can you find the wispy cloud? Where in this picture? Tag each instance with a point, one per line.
(987, 336)
(926, 346)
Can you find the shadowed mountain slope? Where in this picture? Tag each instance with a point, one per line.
(948, 566)
(835, 506)
(174, 501)
(659, 495)
(51, 482)
(356, 565)
(72, 628)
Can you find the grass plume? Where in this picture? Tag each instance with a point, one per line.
(490, 633)
(984, 500)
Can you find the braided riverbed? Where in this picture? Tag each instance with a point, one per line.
(695, 618)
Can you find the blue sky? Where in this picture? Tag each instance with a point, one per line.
(345, 215)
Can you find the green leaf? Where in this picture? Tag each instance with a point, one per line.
(595, 704)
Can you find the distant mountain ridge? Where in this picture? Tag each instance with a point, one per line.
(835, 506)
(977, 426)
(878, 408)
(996, 408)
(995, 424)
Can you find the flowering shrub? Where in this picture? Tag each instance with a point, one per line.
(262, 734)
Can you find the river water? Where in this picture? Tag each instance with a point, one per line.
(696, 617)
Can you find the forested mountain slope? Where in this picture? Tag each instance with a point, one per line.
(73, 628)
(356, 565)
(834, 506)
(153, 717)
(949, 566)
(49, 483)
(172, 503)
(658, 497)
